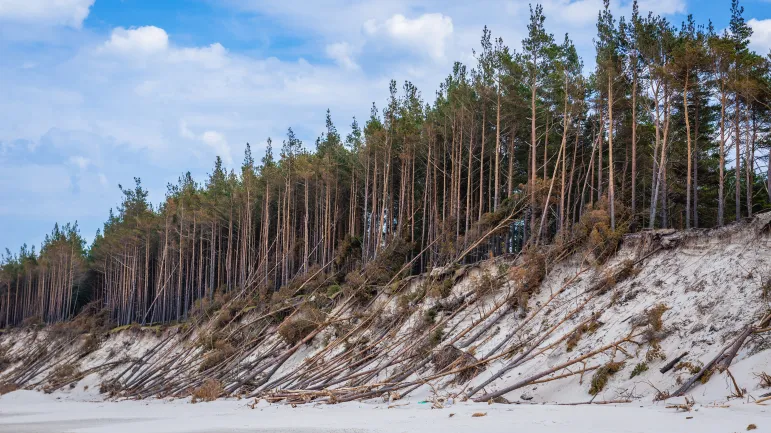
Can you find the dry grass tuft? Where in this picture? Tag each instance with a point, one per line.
(765, 379)
(210, 390)
(707, 375)
(436, 337)
(5, 388)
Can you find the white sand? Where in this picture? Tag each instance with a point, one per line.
(30, 411)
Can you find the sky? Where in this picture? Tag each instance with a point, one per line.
(96, 92)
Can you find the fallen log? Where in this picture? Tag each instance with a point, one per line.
(733, 347)
(671, 364)
(537, 376)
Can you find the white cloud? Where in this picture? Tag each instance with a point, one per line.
(47, 12)
(212, 57)
(760, 40)
(342, 53)
(80, 161)
(664, 7)
(219, 144)
(428, 33)
(213, 139)
(185, 132)
(140, 40)
(572, 12)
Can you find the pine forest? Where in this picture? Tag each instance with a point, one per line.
(524, 148)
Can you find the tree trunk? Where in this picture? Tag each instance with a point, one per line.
(688, 141)
(611, 184)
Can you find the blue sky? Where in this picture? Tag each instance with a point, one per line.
(96, 92)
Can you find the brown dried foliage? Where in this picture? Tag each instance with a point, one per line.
(221, 352)
(210, 390)
(602, 376)
(298, 326)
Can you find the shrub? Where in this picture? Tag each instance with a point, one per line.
(93, 318)
(210, 390)
(654, 317)
(32, 322)
(110, 387)
(707, 375)
(361, 295)
(219, 354)
(652, 320)
(602, 376)
(281, 296)
(355, 279)
(689, 366)
(90, 344)
(206, 307)
(487, 284)
(639, 369)
(349, 248)
(63, 373)
(307, 282)
(5, 388)
(451, 358)
(436, 337)
(388, 262)
(429, 317)
(333, 291)
(615, 276)
(440, 290)
(594, 233)
(655, 352)
(528, 276)
(575, 337)
(298, 326)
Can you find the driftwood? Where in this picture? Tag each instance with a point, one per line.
(671, 364)
(685, 407)
(537, 376)
(715, 362)
(595, 402)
